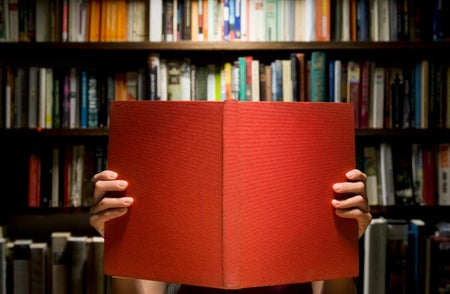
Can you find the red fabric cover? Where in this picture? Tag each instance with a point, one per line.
(231, 194)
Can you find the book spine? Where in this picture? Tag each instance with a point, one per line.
(231, 234)
(318, 79)
(444, 174)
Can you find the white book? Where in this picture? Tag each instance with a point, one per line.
(375, 242)
(42, 97)
(377, 103)
(244, 19)
(212, 20)
(211, 83)
(310, 18)
(76, 180)
(387, 193)
(383, 20)
(337, 81)
(185, 81)
(255, 80)
(256, 20)
(155, 20)
(371, 170)
(345, 33)
(299, 19)
(287, 80)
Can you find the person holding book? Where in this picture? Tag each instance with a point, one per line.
(105, 208)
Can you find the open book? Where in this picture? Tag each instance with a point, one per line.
(231, 194)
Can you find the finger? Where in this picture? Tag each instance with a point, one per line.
(106, 204)
(105, 175)
(350, 188)
(102, 187)
(356, 175)
(98, 220)
(357, 202)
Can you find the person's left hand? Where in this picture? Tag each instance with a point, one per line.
(355, 206)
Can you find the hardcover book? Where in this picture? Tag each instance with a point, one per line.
(231, 194)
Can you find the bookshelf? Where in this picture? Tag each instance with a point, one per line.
(18, 143)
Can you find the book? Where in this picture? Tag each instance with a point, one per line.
(443, 170)
(222, 167)
(39, 267)
(3, 267)
(76, 251)
(377, 102)
(396, 255)
(437, 260)
(95, 279)
(416, 257)
(21, 265)
(387, 193)
(371, 170)
(318, 77)
(58, 264)
(375, 241)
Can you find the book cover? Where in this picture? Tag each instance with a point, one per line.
(233, 207)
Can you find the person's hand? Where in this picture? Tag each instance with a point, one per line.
(356, 205)
(105, 208)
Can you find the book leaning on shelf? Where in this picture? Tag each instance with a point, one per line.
(231, 196)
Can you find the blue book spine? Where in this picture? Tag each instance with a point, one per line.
(331, 93)
(226, 20)
(84, 100)
(237, 19)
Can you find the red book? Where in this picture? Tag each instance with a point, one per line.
(34, 181)
(231, 194)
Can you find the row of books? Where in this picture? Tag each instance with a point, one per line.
(66, 264)
(406, 174)
(416, 95)
(406, 256)
(222, 20)
(61, 176)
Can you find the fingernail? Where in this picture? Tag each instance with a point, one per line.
(337, 187)
(335, 202)
(122, 184)
(112, 175)
(350, 174)
(127, 200)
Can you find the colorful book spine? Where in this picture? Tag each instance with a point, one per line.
(318, 76)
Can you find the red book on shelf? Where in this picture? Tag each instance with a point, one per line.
(231, 194)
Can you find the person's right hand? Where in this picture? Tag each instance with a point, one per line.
(105, 208)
